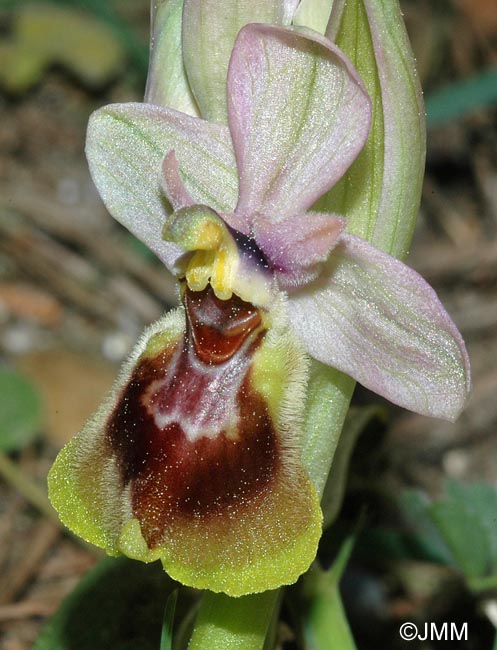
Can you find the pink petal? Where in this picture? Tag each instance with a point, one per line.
(296, 247)
(298, 115)
(125, 147)
(376, 319)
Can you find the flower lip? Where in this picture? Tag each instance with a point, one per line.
(175, 470)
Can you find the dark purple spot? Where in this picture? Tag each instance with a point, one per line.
(249, 249)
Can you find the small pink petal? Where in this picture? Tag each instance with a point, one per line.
(172, 185)
(179, 197)
(376, 319)
(298, 115)
(236, 222)
(296, 247)
(125, 146)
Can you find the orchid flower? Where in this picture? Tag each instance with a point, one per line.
(195, 457)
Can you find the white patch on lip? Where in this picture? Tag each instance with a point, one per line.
(217, 412)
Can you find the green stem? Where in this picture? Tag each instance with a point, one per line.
(482, 584)
(34, 495)
(233, 623)
(328, 397)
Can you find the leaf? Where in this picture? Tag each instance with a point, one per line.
(482, 501)
(460, 527)
(45, 34)
(461, 98)
(167, 84)
(464, 536)
(209, 32)
(21, 413)
(166, 640)
(476, 507)
(425, 537)
(117, 605)
(323, 619)
(313, 14)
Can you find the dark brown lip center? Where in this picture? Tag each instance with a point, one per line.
(174, 475)
(218, 328)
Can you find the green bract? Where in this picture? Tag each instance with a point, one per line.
(380, 193)
(167, 83)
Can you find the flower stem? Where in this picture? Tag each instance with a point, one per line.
(328, 397)
(233, 623)
(33, 494)
(485, 583)
(36, 497)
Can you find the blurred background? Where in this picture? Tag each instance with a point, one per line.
(76, 291)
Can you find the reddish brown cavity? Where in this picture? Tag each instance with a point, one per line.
(174, 476)
(218, 327)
